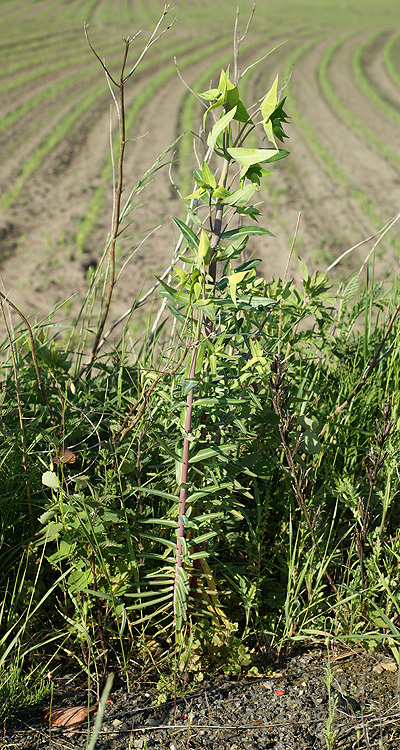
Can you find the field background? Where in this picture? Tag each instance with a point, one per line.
(343, 65)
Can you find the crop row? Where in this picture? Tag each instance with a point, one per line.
(81, 106)
(322, 150)
(62, 90)
(32, 62)
(390, 57)
(337, 105)
(367, 87)
(45, 66)
(157, 83)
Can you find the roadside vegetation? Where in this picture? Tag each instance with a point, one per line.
(191, 493)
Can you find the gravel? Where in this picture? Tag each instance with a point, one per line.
(285, 708)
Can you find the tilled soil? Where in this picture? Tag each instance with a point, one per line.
(344, 192)
(285, 708)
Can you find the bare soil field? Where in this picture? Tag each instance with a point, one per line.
(285, 708)
(343, 173)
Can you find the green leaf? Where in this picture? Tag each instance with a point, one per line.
(234, 280)
(351, 288)
(159, 540)
(247, 301)
(206, 307)
(277, 118)
(220, 193)
(187, 233)
(223, 82)
(233, 99)
(197, 194)
(234, 249)
(248, 264)
(203, 537)
(203, 455)
(241, 196)
(208, 176)
(210, 95)
(51, 532)
(204, 249)
(281, 154)
(188, 385)
(251, 211)
(304, 270)
(182, 275)
(219, 126)
(203, 554)
(181, 596)
(255, 172)
(157, 493)
(268, 106)
(248, 230)
(50, 479)
(46, 516)
(150, 603)
(311, 444)
(175, 295)
(159, 522)
(248, 156)
(308, 423)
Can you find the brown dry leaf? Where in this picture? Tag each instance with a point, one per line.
(70, 720)
(346, 654)
(64, 456)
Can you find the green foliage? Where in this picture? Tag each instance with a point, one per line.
(20, 688)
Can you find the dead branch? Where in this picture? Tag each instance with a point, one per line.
(116, 216)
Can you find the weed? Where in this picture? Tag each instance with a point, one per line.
(330, 732)
(225, 480)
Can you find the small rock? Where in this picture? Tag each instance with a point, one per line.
(117, 723)
(377, 669)
(389, 666)
(140, 741)
(151, 722)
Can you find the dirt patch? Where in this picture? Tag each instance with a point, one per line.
(333, 178)
(286, 707)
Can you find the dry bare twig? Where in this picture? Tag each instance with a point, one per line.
(120, 105)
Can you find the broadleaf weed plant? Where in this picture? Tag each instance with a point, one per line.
(211, 489)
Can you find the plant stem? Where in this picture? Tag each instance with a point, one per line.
(116, 209)
(185, 460)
